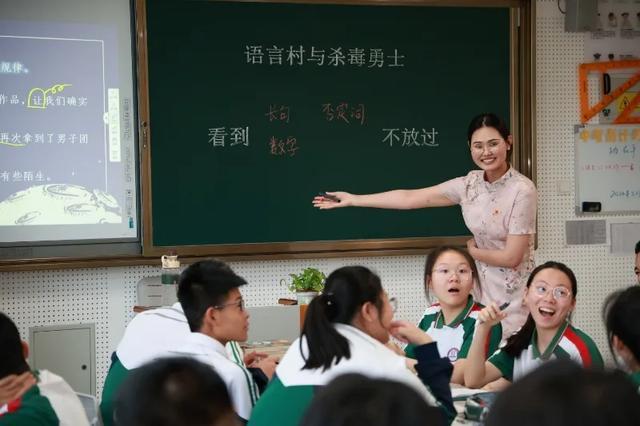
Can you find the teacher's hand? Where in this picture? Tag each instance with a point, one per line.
(333, 200)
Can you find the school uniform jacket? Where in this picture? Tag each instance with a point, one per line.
(50, 402)
(292, 388)
(240, 384)
(149, 335)
(635, 378)
(568, 343)
(454, 339)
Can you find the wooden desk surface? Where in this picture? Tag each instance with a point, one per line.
(275, 348)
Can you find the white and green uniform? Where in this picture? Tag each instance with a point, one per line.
(292, 388)
(568, 343)
(454, 339)
(51, 401)
(149, 335)
(240, 384)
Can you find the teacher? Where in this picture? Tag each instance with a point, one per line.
(499, 208)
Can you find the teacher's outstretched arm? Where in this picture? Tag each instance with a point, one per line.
(399, 199)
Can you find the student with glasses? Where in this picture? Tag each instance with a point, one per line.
(450, 275)
(151, 334)
(547, 334)
(498, 205)
(345, 331)
(213, 305)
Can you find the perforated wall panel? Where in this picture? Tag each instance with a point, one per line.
(557, 111)
(105, 296)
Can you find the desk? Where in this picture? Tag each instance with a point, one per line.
(274, 348)
(460, 395)
(460, 420)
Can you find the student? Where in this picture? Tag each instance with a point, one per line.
(551, 297)
(622, 321)
(499, 208)
(48, 402)
(451, 274)
(149, 335)
(636, 270)
(356, 400)
(345, 331)
(174, 392)
(560, 393)
(209, 294)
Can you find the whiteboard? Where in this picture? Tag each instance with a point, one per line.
(69, 183)
(607, 163)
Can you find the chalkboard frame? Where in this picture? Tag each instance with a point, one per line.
(522, 125)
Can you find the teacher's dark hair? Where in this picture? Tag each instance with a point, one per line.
(489, 119)
(621, 312)
(521, 339)
(346, 290)
(432, 258)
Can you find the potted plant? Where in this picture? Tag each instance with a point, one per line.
(307, 284)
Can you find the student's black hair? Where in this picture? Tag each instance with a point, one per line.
(638, 247)
(432, 258)
(355, 400)
(621, 314)
(205, 284)
(521, 339)
(562, 393)
(346, 290)
(489, 119)
(172, 392)
(11, 356)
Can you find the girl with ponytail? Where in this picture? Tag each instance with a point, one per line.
(547, 334)
(345, 331)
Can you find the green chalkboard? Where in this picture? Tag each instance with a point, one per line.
(255, 107)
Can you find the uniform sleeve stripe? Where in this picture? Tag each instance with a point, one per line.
(236, 353)
(14, 405)
(585, 355)
(250, 384)
(433, 309)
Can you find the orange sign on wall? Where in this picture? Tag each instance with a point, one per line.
(587, 111)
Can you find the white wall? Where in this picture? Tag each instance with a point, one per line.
(557, 111)
(106, 296)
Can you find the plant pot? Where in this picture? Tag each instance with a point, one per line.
(304, 297)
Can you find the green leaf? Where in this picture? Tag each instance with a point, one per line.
(310, 279)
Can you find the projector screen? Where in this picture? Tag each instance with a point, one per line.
(68, 142)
